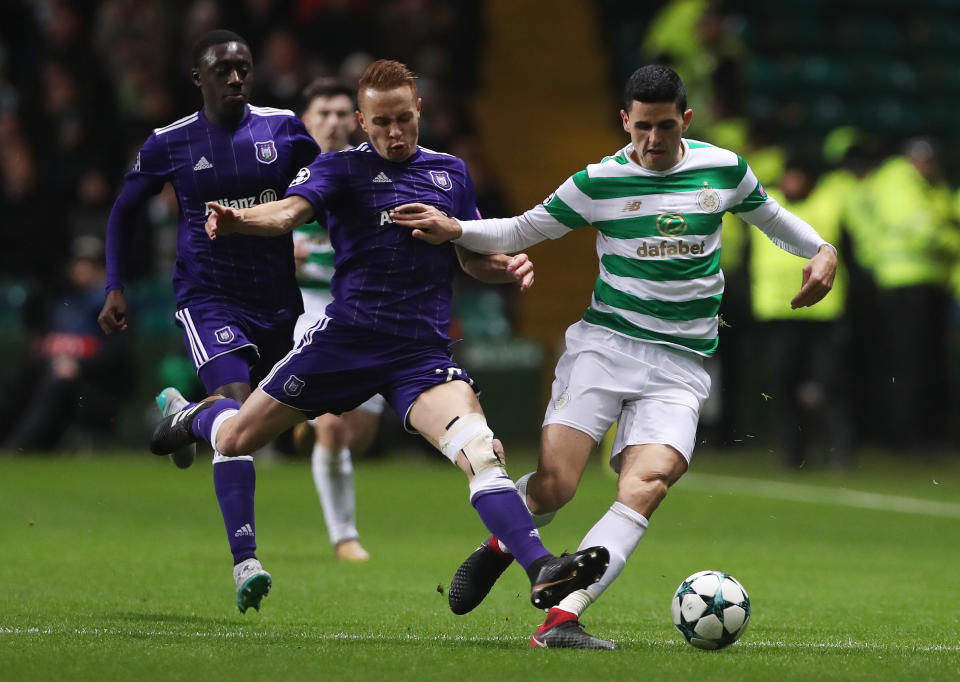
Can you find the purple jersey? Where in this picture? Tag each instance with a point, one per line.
(242, 167)
(386, 281)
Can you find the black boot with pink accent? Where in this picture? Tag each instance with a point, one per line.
(476, 576)
(562, 630)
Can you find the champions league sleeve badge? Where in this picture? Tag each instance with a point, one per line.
(708, 199)
(302, 176)
(266, 151)
(441, 179)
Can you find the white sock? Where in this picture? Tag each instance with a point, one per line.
(620, 531)
(333, 477)
(539, 520)
(490, 480)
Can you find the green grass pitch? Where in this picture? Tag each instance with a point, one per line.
(116, 568)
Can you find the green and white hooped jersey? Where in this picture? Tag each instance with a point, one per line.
(659, 240)
(315, 274)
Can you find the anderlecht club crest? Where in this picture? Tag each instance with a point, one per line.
(293, 385)
(225, 335)
(441, 179)
(266, 151)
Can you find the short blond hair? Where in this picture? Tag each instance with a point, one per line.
(387, 74)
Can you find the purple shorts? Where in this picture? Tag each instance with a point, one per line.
(212, 331)
(335, 367)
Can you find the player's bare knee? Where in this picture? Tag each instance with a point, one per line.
(236, 390)
(233, 440)
(548, 491)
(644, 489)
(332, 431)
(228, 444)
(470, 436)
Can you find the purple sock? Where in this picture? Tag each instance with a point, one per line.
(203, 422)
(235, 481)
(504, 514)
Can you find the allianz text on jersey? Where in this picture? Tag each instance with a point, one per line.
(244, 202)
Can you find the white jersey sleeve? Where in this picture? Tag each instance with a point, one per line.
(510, 235)
(792, 234)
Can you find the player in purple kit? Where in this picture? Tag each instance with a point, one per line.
(386, 329)
(237, 299)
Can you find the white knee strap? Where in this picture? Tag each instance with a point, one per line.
(470, 435)
(214, 430)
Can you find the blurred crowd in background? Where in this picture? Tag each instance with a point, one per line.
(843, 109)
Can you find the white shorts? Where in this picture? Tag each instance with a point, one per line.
(314, 308)
(654, 391)
(315, 304)
(373, 405)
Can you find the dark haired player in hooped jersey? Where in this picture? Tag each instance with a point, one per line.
(237, 299)
(386, 329)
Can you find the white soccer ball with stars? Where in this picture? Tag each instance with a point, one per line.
(711, 609)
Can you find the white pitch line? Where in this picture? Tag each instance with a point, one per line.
(818, 494)
(357, 637)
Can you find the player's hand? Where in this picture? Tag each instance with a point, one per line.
(65, 367)
(113, 315)
(427, 223)
(222, 220)
(498, 450)
(818, 276)
(521, 267)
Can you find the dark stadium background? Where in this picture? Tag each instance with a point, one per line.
(526, 92)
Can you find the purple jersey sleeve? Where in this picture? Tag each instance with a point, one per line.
(467, 209)
(319, 182)
(144, 180)
(303, 148)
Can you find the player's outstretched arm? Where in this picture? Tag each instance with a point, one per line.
(497, 268)
(818, 276)
(113, 315)
(426, 223)
(265, 220)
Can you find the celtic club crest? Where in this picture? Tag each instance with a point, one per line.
(708, 199)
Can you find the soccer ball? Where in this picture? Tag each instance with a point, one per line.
(711, 609)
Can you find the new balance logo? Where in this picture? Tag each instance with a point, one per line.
(245, 529)
(382, 177)
(202, 164)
